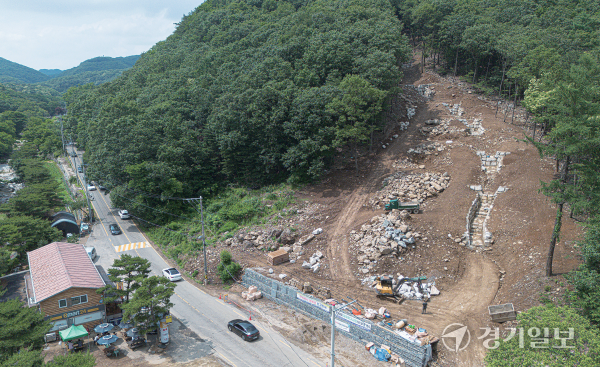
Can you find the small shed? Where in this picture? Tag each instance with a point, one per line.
(278, 257)
(502, 313)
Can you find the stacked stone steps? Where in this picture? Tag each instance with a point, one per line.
(477, 231)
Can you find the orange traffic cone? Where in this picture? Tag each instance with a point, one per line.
(219, 296)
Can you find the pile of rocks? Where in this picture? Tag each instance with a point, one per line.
(439, 127)
(405, 163)
(386, 235)
(427, 148)
(252, 294)
(270, 239)
(314, 262)
(426, 90)
(454, 109)
(475, 128)
(411, 187)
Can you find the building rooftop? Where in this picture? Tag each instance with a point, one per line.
(59, 266)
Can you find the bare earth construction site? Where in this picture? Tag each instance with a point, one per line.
(482, 232)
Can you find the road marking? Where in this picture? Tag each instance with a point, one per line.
(281, 341)
(227, 359)
(131, 246)
(315, 363)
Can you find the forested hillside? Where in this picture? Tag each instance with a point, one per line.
(11, 72)
(22, 106)
(97, 70)
(247, 92)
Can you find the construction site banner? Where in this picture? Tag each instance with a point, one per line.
(353, 320)
(312, 302)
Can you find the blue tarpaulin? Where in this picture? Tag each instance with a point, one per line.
(382, 355)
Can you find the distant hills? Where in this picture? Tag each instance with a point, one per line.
(11, 72)
(97, 70)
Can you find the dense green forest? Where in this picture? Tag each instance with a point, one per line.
(246, 92)
(11, 72)
(22, 106)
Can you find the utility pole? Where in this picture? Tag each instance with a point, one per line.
(203, 237)
(87, 194)
(203, 242)
(62, 138)
(332, 310)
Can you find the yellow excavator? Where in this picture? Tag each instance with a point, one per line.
(384, 286)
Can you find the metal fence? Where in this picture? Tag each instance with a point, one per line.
(361, 330)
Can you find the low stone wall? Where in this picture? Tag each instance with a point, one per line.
(361, 330)
(471, 215)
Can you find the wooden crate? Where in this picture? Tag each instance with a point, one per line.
(502, 313)
(278, 257)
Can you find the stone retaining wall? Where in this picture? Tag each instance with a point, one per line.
(471, 215)
(361, 330)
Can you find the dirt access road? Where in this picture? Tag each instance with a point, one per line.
(521, 219)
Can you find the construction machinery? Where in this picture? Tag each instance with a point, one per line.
(411, 207)
(384, 286)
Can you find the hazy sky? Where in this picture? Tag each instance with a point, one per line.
(60, 34)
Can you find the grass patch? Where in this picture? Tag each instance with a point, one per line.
(224, 214)
(57, 174)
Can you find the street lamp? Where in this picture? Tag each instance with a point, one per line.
(332, 310)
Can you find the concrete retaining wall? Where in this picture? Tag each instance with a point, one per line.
(361, 330)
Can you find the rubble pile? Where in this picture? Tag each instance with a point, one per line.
(252, 294)
(411, 187)
(439, 127)
(405, 163)
(270, 239)
(408, 288)
(454, 109)
(427, 148)
(313, 262)
(426, 90)
(475, 128)
(386, 235)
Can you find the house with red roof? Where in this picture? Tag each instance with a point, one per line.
(62, 283)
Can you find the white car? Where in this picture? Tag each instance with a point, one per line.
(124, 214)
(172, 274)
(91, 187)
(91, 251)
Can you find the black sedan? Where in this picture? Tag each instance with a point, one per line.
(244, 329)
(114, 229)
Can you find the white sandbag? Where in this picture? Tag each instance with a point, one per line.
(434, 291)
(252, 289)
(258, 295)
(244, 295)
(370, 315)
(382, 311)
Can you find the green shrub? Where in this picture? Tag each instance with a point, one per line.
(227, 268)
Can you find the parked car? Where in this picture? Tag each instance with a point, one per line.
(114, 229)
(84, 228)
(124, 214)
(91, 187)
(244, 329)
(91, 251)
(73, 154)
(80, 169)
(172, 274)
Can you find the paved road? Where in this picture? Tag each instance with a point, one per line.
(204, 314)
